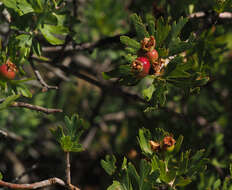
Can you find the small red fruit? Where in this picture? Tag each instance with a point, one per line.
(152, 55)
(8, 70)
(141, 66)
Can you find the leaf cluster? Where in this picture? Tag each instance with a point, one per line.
(69, 137)
(159, 169)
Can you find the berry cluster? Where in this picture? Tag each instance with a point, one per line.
(8, 70)
(167, 144)
(148, 61)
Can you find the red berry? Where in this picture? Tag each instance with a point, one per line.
(8, 70)
(141, 66)
(152, 55)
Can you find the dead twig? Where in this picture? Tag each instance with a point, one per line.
(41, 80)
(36, 185)
(35, 107)
(10, 135)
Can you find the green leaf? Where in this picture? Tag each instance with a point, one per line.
(176, 48)
(58, 133)
(178, 144)
(122, 70)
(48, 32)
(198, 155)
(24, 7)
(76, 147)
(217, 184)
(150, 19)
(23, 90)
(10, 4)
(172, 65)
(1, 176)
(66, 143)
(145, 169)
(144, 137)
(148, 92)
(225, 183)
(154, 163)
(116, 186)
(133, 173)
(109, 164)
(159, 95)
(130, 42)
(139, 27)
(184, 163)
(20, 6)
(176, 29)
(230, 169)
(7, 102)
(124, 163)
(162, 30)
(36, 47)
(181, 181)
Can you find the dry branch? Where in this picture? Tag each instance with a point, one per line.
(35, 107)
(35, 185)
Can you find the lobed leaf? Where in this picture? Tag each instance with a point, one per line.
(130, 42)
(116, 186)
(8, 101)
(140, 28)
(109, 164)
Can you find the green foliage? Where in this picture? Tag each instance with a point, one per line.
(109, 164)
(8, 101)
(140, 28)
(175, 71)
(1, 176)
(160, 168)
(69, 139)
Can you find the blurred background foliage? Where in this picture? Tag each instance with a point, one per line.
(202, 117)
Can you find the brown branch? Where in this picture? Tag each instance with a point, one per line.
(35, 185)
(68, 173)
(35, 107)
(41, 80)
(10, 135)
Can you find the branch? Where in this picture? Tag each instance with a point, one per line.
(35, 107)
(68, 173)
(41, 80)
(36, 185)
(11, 135)
(88, 45)
(224, 15)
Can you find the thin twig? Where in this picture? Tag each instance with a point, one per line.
(68, 173)
(35, 107)
(41, 80)
(36, 185)
(29, 170)
(10, 135)
(224, 15)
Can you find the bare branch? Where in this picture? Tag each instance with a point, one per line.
(68, 174)
(10, 135)
(41, 80)
(35, 185)
(224, 15)
(35, 107)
